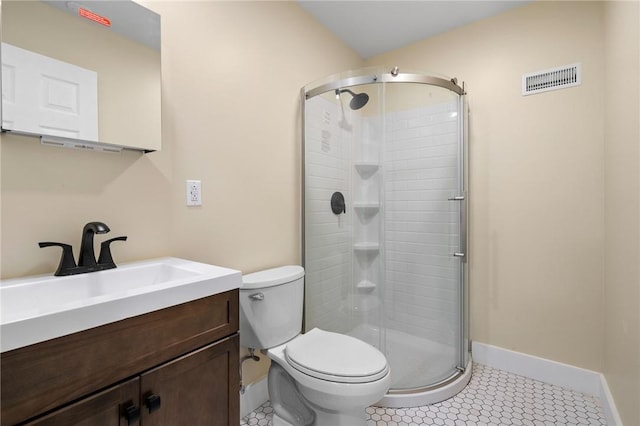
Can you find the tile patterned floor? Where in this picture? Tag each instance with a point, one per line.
(493, 397)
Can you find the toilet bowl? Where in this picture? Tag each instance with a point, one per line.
(318, 378)
(338, 375)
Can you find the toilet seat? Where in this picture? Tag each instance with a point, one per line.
(335, 357)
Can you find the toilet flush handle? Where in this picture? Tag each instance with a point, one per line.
(256, 296)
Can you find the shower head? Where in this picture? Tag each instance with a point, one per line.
(358, 99)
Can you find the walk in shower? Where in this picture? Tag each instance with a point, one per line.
(385, 223)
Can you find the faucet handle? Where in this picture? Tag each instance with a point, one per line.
(67, 262)
(105, 261)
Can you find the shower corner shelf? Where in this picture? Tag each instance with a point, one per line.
(366, 285)
(366, 168)
(366, 207)
(366, 246)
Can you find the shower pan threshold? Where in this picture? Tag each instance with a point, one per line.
(432, 395)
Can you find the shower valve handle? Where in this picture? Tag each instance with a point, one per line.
(338, 205)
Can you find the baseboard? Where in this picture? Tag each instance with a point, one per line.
(255, 394)
(552, 372)
(608, 404)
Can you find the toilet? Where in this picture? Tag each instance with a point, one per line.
(318, 378)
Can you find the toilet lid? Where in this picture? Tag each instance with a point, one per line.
(336, 357)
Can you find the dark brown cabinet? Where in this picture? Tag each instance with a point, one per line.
(102, 409)
(175, 366)
(186, 391)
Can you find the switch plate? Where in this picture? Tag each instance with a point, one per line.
(194, 193)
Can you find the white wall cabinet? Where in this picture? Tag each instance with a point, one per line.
(45, 96)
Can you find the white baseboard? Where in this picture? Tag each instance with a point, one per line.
(255, 394)
(552, 372)
(608, 404)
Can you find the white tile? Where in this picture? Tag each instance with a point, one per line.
(493, 397)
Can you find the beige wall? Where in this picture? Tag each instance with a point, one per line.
(233, 79)
(622, 208)
(536, 176)
(232, 74)
(48, 194)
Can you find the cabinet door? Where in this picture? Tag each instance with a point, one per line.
(45, 96)
(106, 408)
(201, 388)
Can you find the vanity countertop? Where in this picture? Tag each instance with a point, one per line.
(39, 308)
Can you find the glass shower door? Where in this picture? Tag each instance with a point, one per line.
(422, 234)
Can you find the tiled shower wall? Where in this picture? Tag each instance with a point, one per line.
(421, 226)
(419, 167)
(328, 145)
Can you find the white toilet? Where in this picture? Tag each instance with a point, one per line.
(318, 378)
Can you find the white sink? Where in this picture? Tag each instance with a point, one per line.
(39, 308)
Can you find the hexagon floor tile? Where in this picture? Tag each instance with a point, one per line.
(493, 397)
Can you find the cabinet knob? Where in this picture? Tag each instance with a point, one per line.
(132, 413)
(152, 402)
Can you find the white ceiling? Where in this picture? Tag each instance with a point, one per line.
(374, 27)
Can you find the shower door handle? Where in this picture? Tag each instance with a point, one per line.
(463, 227)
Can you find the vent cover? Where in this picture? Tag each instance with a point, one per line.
(552, 79)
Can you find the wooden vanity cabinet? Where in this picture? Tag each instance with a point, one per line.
(188, 398)
(176, 366)
(102, 409)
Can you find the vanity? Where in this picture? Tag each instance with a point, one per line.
(163, 353)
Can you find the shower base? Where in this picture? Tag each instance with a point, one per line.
(417, 368)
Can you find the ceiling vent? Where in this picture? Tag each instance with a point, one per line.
(552, 79)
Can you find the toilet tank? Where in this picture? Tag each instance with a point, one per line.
(271, 306)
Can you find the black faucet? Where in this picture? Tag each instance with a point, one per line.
(87, 258)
